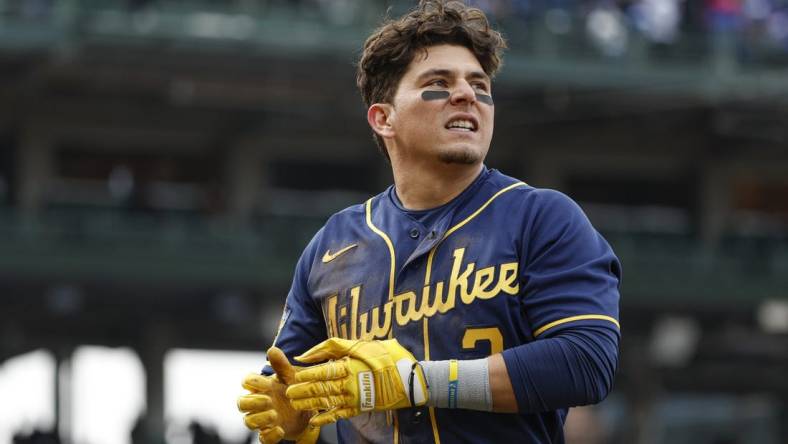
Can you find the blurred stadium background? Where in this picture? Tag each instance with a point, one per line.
(163, 163)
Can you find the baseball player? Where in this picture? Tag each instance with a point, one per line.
(458, 305)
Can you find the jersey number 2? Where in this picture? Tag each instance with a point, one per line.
(474, 334)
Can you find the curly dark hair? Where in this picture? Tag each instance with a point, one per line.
(391, 48)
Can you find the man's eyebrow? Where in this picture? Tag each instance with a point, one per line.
(479, 75)
(435, 72)
(443, 72)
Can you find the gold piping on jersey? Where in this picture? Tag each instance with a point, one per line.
(544, 328)
(427, 283)
(461, 224)
(394, 412)
(386, 329)
(485, 275)
(385, 237)
(396, 426)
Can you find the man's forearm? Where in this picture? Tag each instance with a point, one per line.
(573, 368)
(503, 397)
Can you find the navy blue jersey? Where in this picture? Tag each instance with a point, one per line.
(503, 264)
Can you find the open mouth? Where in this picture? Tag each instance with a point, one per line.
(462, 124)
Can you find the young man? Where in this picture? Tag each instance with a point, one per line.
(459, 305)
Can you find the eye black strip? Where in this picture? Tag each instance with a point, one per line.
(435, 95)
(443, 95)
(484, 98)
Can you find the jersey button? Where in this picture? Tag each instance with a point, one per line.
(414, 233)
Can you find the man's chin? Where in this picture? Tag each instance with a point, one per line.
(462, 156)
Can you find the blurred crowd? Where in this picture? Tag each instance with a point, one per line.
(659, 21)
(37, 437)
(608, 22)
(196, 433)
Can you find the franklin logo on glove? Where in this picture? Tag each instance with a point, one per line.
(367, 388)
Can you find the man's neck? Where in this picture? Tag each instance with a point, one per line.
(430, 186)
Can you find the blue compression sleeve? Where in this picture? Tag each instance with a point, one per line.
(574, 367)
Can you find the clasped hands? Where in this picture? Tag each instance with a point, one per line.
(360, 376)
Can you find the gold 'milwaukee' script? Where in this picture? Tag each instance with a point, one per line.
(407, 307)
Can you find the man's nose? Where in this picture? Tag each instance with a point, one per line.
(463, 93)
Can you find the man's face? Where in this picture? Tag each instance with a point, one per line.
(453, 121)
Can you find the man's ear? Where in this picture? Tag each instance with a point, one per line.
(379, 117)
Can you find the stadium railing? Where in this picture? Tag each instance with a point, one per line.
(184, 248)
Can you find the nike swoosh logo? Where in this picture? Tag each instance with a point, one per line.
(328, 257)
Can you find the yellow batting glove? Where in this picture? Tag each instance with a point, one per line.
(362, 376)
(267, 409)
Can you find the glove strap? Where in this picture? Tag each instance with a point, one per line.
(411, 381)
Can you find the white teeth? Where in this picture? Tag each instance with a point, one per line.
(462, 124)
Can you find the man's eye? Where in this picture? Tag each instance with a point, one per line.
(480, 87)
(439, 82)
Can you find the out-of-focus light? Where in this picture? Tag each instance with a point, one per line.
(27, 385)
(608, 32)
(773, 316)
(674, 341)
(658, 19)
(217, 375)
(104, 410)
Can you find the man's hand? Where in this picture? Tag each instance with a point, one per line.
(267, 409)
(367, 376)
